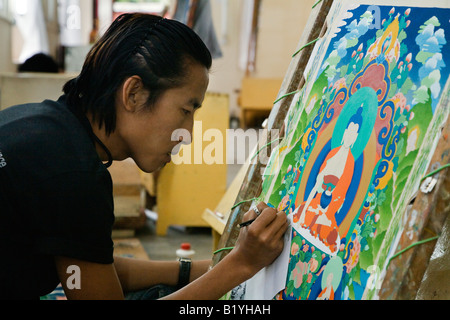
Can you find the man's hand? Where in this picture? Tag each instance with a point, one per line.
(260, 243)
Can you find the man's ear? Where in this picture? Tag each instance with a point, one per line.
(134, 95)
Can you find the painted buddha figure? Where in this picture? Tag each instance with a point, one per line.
(317, 213)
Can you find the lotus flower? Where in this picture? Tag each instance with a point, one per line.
(408, 57)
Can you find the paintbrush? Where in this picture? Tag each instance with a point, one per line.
(246, 223)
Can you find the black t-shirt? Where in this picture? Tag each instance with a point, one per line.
(55, 197)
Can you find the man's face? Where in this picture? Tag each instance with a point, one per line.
(150, 134)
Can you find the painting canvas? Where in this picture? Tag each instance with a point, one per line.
(359, 137)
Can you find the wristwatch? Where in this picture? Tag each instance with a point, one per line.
(185, 272)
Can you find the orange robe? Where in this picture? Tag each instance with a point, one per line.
(331, 294)
(328, 234)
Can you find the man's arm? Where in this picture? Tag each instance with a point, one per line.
(258, 245)
(98, 281)
(94, 281)
(137, 274)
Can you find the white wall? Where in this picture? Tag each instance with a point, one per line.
(6, 64)
(225, 74)
(30, 87)
(281, 24)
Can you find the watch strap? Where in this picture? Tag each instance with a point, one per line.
(185, 272)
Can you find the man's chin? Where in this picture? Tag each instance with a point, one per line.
(150, 168)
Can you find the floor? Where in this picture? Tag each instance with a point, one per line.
(164, 248)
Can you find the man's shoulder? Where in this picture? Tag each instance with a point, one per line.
(29, 118)
(45, 136)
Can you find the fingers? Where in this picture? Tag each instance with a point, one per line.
(268, 216)
(261, 242)
(283, 225)
(251, 214)
(269, 230)
(269, 221)
(278, 225)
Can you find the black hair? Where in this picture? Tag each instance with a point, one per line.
(39, 62)
(154, 48)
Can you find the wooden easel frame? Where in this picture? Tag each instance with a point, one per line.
(405, 272)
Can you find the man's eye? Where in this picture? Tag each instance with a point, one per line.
(186, 112)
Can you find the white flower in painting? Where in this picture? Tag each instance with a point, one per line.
(412, 141)
(311, 104)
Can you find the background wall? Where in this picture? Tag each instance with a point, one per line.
(280, 26)
(6, 64)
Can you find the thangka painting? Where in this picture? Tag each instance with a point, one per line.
(359, 138)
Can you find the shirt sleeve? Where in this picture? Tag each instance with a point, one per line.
(75, 216)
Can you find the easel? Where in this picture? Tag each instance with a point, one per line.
(406, 271)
